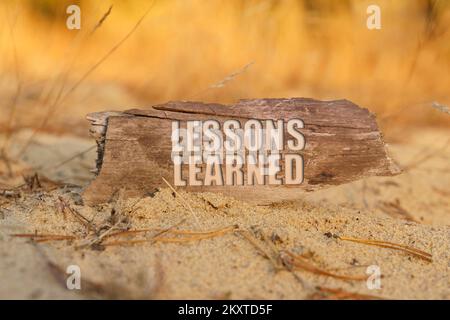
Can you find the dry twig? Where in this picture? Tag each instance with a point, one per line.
(44, 237)
(225, 80)
(274, 256)
(252, 239)
(65, 207)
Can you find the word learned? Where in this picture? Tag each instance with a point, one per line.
(229, 153)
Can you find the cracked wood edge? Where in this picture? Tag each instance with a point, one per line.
(329, 125)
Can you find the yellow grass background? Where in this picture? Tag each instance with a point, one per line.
(306, 48)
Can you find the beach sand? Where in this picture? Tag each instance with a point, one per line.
(224, 248)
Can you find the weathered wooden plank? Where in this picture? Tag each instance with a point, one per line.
(343, 144)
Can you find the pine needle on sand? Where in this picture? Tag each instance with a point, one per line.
(301, 263)
(324, 293)
(188, 236)
(44, 237)
(390, 245)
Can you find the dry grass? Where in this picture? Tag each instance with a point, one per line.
(282, 259)
(394, 246)
(189, 236)
(301, 263)
(324, 293)
(117, 225)
(299, 48)
(44, 237)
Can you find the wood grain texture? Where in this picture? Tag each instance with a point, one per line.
(343, 144)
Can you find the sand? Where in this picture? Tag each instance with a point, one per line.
(411, 209)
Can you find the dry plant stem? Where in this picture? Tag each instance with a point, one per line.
(38, 238)
(208, 235)
(132, 232)
(160, 231)
(230, 77)
(250, 238)
(225, 80)
(102, 19)
(80, 218)
(300, 263)
(384, 244)
(277, 262)
(100, 237)
(422, 42)
(159, 238)
(36, 235)
(132, 208)
(60, 99)
(63, 76)
(61, 79)
(176, 232)
(163, 231)
(13, 105)
(52, 239)
(339, 294)
(127, 242)
(108, 54)
(184, 202)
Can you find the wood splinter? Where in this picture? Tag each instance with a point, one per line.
(262, 150)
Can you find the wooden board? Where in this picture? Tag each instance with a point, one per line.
(343, 144)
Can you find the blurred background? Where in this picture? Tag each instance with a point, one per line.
(221, 51)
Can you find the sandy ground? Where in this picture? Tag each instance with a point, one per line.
(249, 254)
